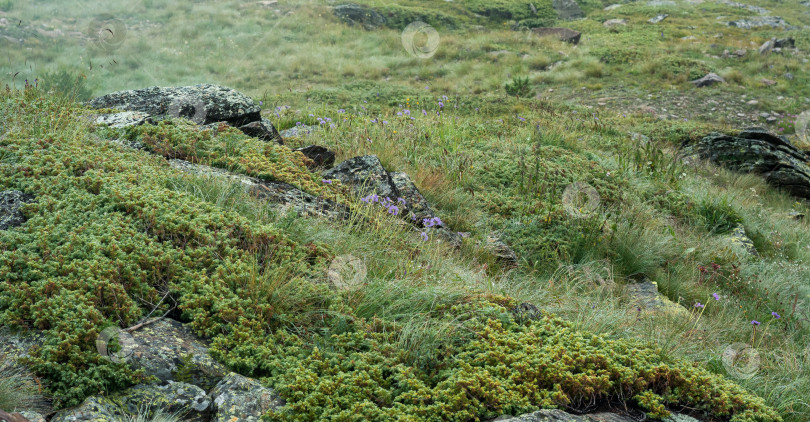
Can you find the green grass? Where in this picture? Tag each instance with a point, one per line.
(19, 390)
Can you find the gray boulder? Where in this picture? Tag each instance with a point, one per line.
(163, 347)
(203, 103)
(567, 9)
(708, 80)
(658, 19)
(645, 297)
(357, 14)
(10, 203)
(123, 119)
(366, 175)
(241, 399)
(755, 150)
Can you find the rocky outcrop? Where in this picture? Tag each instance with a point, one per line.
(755, 150)
(285, 196)
(189, 402)
(237, 398)
(202, 104)
(10, 203)
(758, 22)
(365, 16)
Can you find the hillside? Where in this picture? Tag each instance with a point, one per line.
(492, 221)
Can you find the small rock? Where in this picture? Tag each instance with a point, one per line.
(767, 82)
(789, 76)
(708, 80)
(796, 215)
(645, 296)
(188, 401)
(502, 252)
(658, 19)
(614, 22)
(321, 156)
(242, 399)
(10, 203)
(613, 7)
(739, 237)
(123, 119)
(784, 43)
(262, 130)
(766, 47)
(563, 34)
(567, 9)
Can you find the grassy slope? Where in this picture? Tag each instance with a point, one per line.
(486, 168)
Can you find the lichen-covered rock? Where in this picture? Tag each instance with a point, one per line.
(708, 80)
(562, 34)
(646, 297)
(93, 408)
(357, 14)
(241, 399)
(755, 150)
(414, 201)
(204, 103)
(165, 346)
(10, 203)
(502, 252)
(366, 175)
(123, 119)
(556, 415)
(188, 402)
(32, 416)
(739, 237)
(18, 344)
(759, 21)
(320, 156)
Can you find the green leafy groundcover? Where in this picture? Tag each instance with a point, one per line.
(106, 239)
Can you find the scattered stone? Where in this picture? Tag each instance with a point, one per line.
(10, 203)
(766, 47)
(320, 156)
(756, 150)
(689, 38)
(788, 76)
(646, 297)
(263, 130)
(708, 80)
(660, 3)
(160, 349)
(759, 21)
(563, 34)
(784, 43)
(613, 7)
(366, 175)
(416, 204)
(755, 9)
(796, 215)
(658, 19)
(361, 15)
(12, 417)
(526, 312)
(501, 251)
(202, 104)
(739, 237)
(242, 399)
(31, 416)
(123, 119)
(767, 82)
(567, 9)
(614, 22)
(93, 408)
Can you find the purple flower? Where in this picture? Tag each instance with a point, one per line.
(393, 209)
(441, 104)
(521, 119)
(407, 112)
(399, 113)
(754, 322)
(332, 125)
(373, 120)
(424, 236)
(424, 113)
(401, 201)
(327, 181)
(385, 122)
(298, 123)
(775, 315)
(427, 87)
(311, 115)
(699, 305)
(716, 296)
(341, 111)
(261, 102)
